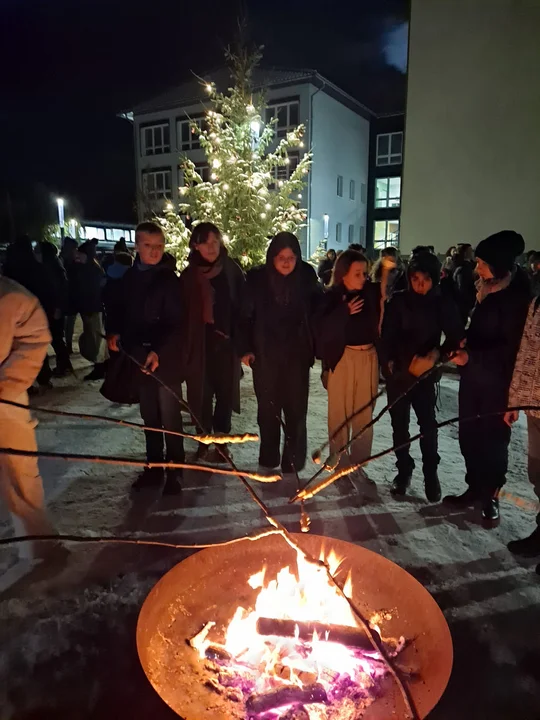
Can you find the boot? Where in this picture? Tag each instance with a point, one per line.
(490, 513)
(401, 484)
(432, 487)
(173, 483)
(149, 478)
(466, 499)
(98, 373)
(528, 547)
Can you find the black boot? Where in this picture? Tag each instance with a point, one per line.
(173, 483)
(490, 513)
(432, 487)
(401, 483)
(98, 373)
(466, 499)
(149, 478)
(527, 547)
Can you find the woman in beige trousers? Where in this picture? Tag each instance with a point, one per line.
(347, 333)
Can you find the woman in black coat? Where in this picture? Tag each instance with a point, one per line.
(487, 362)
(279, 301)
(211, 289)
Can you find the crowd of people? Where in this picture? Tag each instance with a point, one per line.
(394, 322)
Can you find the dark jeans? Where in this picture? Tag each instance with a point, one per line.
(63, 363)
(160, 409)
(218, 384)
(483, 441)
(423, 399)
(282, 389)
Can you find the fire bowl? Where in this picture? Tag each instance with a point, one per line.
(209, 585)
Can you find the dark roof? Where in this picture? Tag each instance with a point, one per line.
(192, 92)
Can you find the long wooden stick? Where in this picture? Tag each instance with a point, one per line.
(204, 439)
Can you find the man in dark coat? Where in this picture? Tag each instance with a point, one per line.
(487, 363)
(211, 289)
(55, 277)
(146, 321)
(413, 323)
(277, 341)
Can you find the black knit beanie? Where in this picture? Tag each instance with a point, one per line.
(427, 263)
(500, 251)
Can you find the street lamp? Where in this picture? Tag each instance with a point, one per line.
(60, 205)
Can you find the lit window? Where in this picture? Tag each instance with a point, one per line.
(340, 185)
(187, 136)
(287, 114)
(390, 148)
(386, 233)
(352, 190)
(284, 172)
(157, 184)
(351, 234)
(338, 232)
(155, 139)
(387, 192)
(326, 222)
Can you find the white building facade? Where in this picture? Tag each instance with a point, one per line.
(337, 131)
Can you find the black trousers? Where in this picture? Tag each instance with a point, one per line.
(483, 441)
(218, 383)
(282, 390)
(422, 398)
(162, 410)
(63, 363)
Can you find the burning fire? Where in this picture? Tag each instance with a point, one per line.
(302, 661)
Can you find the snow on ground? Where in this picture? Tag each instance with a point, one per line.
(68, 642)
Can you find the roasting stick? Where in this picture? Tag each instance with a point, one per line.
(204, 439)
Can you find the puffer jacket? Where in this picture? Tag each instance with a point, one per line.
(525, 385)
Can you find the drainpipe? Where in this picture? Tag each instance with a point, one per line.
(311, 147)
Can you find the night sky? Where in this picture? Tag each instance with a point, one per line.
(69, 66)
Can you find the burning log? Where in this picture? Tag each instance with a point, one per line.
(353, 637)
(288, 695)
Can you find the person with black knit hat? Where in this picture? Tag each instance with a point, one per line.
(279, 302)
(486, 362)
(414, 321)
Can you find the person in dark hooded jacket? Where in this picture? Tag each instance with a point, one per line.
(211, 289)
(486, 363)
(277, 342)
(55, 278)
(414, 321)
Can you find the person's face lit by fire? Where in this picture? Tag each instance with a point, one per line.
(150, 247)
(483, 270)
(421, 283)
(285, 261)
(356, 276)
(210, 249)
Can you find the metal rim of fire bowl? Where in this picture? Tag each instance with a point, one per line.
(210, 584)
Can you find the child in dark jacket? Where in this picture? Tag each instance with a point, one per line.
(413, 323)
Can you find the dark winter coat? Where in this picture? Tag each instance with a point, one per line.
(148, 315)
(195, 329)
(56, 279)
(493, 339)
(86, 281)
(324, 270)
(275, 333)
(465, 291)
(333, 318)
(413, 325)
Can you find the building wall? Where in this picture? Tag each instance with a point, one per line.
(472, 146)
(340, 144)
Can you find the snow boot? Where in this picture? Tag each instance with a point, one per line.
(432, 487)
(528, 547)
(466, 499)
(401, 484)
(490, 513)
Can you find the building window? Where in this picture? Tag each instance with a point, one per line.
(340, 185)
(326, 222)
(386, 233)
(362, 235)
(338, 232)
(284, 172)
(157, 184)
(387, 192)
(351, 234)
(390, 148)
(352, 190)
(287, 114)
(188, 137)
(155, 139)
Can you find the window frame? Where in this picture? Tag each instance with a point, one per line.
(388, 158)
(388, 198)
(157, 149)
(194, 142)
(339, 233)
(380, 244)
(340, 185)
(351, 233)
(153, 195)
(352, 189)
(271, 111)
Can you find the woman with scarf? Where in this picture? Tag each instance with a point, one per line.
(279, 301)
(211, 289)
(486, 363)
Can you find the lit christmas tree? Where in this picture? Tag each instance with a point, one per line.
(248, 197)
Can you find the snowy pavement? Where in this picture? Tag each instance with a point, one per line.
(71, 638)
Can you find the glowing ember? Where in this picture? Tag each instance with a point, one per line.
(279, 676)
